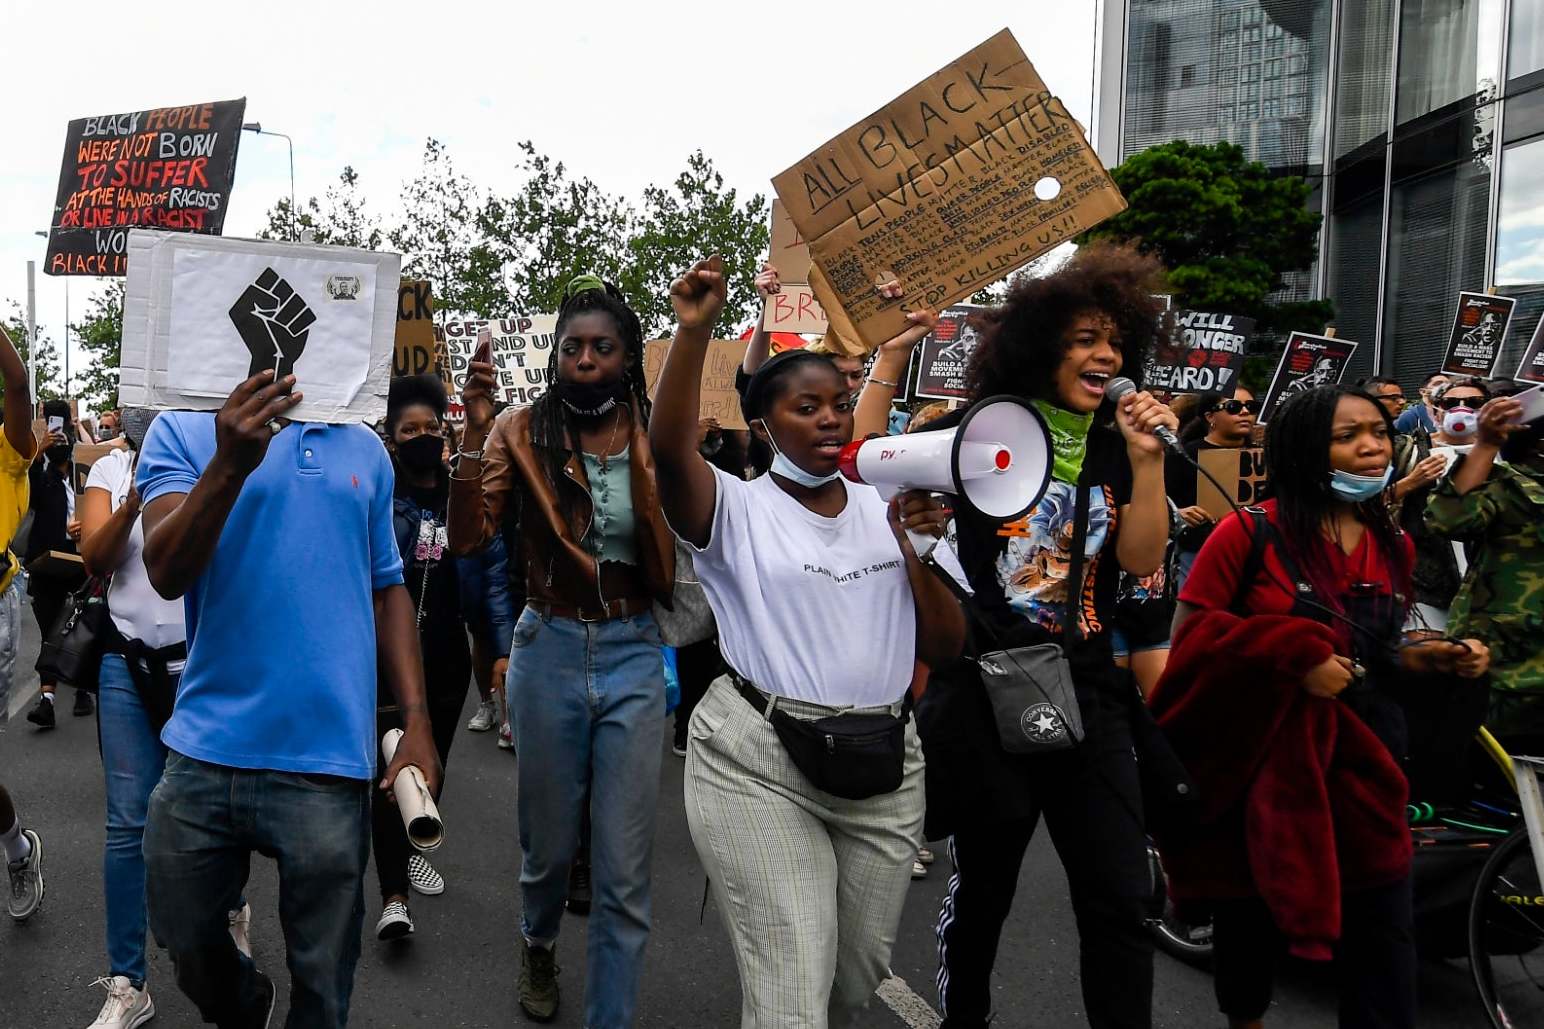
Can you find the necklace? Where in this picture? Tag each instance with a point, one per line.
(605, 457)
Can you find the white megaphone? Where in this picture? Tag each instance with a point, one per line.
(997, 460)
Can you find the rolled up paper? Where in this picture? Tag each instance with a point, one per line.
(415, 803)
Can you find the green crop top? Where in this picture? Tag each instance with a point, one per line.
(610, 536)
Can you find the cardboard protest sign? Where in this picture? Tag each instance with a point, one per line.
(414, 348)
(1306, 362)
(1211, 355)
(719, 397)
(522, 349)
(790, 254)
(969, 175)
(1479, 327)
(794, 309)
(167, 168)
(202, 314)
(1531, 369)
(1241, 472)
(943, 355)
(83, 457)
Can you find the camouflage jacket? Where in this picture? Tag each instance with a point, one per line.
(1501, 600)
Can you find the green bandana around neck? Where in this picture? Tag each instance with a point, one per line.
(1069, 440)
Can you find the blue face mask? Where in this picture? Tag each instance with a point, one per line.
(781, 465)
(1354, 488)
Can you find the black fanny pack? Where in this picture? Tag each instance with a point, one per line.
(854, 757)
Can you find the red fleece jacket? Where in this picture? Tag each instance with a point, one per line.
(1298, 799)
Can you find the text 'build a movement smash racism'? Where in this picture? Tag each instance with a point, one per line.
(166, 168)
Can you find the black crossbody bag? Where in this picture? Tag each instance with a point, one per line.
(854, 757)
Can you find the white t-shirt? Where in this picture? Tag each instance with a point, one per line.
(810, 608)
(137, 609)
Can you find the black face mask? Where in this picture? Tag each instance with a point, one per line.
(590, 399)
(422, 453)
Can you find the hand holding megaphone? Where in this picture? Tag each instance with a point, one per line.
(415, 802)
(997, 461)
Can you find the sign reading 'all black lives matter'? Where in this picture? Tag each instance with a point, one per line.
(169, 168)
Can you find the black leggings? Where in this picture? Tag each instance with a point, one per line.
(1374, 961)
(387, 833)
(1092, 802)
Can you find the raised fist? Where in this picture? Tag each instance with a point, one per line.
(273, 321)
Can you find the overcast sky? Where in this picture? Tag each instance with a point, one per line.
(620, 91)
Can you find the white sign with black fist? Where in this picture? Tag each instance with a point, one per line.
(204, 313)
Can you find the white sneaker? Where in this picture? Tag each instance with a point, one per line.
(395, 922)
(241, 928)
(925, 855)
(126, 1007)
(506, 738)
(484, 719)
(918, 870)
(423, 877)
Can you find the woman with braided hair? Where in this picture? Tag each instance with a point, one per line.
(573, 475)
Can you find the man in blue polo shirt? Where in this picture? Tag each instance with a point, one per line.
(279, 536)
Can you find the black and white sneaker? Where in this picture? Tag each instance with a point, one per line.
(395, 922)
(423, 877)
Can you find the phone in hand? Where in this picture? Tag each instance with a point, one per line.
(1533, 403)
(56, 423)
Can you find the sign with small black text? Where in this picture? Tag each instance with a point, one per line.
(1479, 328)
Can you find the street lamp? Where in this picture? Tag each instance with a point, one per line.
(66, 328)
(257, 127)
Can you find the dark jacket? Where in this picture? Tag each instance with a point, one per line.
(558, 567)
(50, 512)
(486, 598)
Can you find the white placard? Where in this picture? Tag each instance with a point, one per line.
(203, 313)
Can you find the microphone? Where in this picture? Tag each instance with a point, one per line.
(1117, 388)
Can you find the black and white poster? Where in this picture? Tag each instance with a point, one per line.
(202, 314)
(1210, 348)
(1307, 362)
(1532, 367)
(1479, 329)
(945, 352)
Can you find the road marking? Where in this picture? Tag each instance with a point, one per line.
(903, 1000)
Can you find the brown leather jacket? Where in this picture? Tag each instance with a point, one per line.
(558, 568)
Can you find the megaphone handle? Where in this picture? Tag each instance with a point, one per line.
(922, 543)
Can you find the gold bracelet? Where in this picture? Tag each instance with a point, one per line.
(884, 382)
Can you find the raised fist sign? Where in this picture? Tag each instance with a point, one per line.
(273, 321)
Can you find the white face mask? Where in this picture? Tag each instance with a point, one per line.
(781, 465)
(1460, 423)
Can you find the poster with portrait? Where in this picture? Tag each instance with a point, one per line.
(1479, 328)
(202, 314)
(1531, 368)
(944, 354)
(1307, 361)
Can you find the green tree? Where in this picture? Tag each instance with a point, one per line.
(50, 380)
(1227, 229)
(552, 228)
(695, 218)
(441, 239)
(101, 336)
(340, 218)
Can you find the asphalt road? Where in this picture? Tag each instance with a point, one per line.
(459, 968)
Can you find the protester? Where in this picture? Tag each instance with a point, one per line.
(850, 367)
(138, 685)
(1494, 499)
(1387, 391)
(1306, 599)
(1056, 341)
(586, 682)
(279, 534)
(21, 846)
(416, 410)
(1423, 415)
(817, 863)
(108, 426)
(1228, 425)
(54, 529)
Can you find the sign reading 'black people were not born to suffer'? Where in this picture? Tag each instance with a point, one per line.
(168, 168)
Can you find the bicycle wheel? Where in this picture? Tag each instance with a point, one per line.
(1506, 936)
(1174, 936)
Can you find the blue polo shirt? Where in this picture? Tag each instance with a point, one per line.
(281, 624)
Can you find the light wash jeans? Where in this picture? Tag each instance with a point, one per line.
(587, 705)
(10, 640)
(132, 758)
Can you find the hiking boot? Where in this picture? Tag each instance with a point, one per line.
(579, 895)
(538, 981)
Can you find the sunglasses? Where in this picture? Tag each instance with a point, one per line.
(1398, 398)
(1452, 403)
(1237, 406)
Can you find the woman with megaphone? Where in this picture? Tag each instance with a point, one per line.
(1056, 341)
(803, 770)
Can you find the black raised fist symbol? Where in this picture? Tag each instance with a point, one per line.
(273, 321)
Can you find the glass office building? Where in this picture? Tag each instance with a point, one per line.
(1420, 124)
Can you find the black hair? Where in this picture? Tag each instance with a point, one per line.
(1464, 382)
(552, 424)
(409, 390)
(57, 409)
(1366, 383)
(767, 382)
(1297, 461)
(1439, 374)
(1023, 341)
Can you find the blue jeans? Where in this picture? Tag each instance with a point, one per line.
(204, 823)
(587, 706)
(132, 758)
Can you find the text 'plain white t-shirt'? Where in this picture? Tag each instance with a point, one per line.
(137, 609)
(809, 608)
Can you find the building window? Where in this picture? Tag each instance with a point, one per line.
(1252, 16)
(1270, 107)
(1251, 73)
(1525, 46)
(1187, 75)
(1295, 64)
(1228, 21)
(1252, 35)
(1251, 91)
(1225, 113)
(1449, 52)
(1252, 52)
(1520, 219)
(1297, 105)
(1273, 69)
(1249, 112)
(1274, 48)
